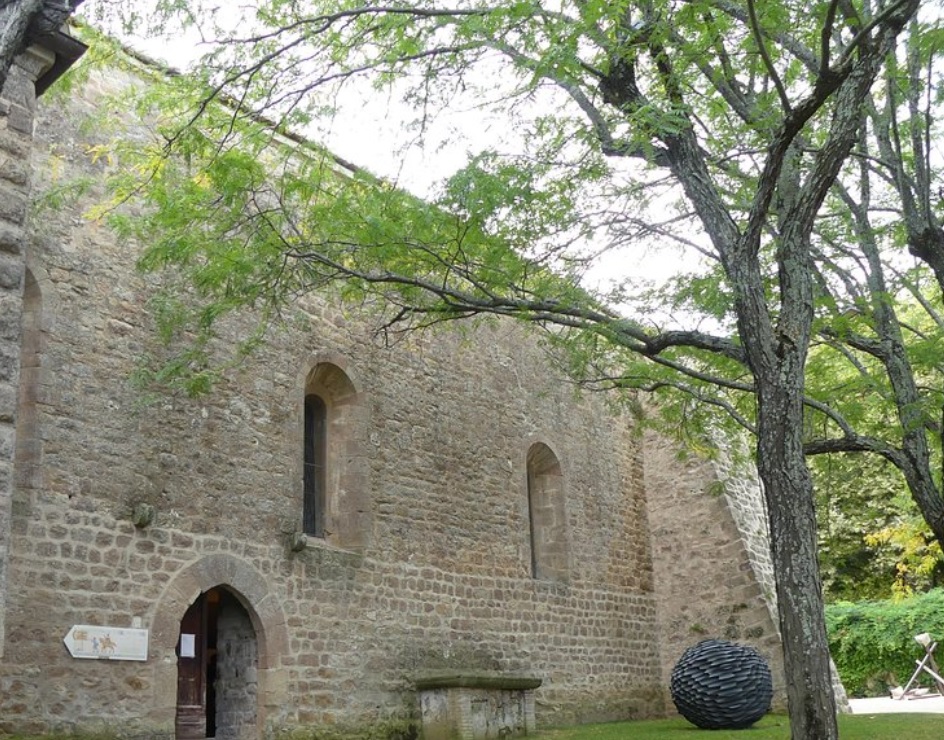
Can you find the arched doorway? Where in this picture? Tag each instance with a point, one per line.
(216, 669)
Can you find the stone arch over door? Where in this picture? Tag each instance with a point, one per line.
(249, 588)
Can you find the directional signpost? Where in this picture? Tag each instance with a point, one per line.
(107, 643)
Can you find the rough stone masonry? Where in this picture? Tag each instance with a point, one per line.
(17, 106)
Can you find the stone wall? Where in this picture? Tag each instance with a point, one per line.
(17, 107)
(744, 497)
(707, 583)
(714, 512)
(437, 432)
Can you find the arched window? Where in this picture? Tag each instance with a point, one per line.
(316, 451)
(335, 501)
(29, 446)
(550, 550)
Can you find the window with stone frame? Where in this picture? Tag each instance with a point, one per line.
(28, 452)
(549, 537)
(334, 496)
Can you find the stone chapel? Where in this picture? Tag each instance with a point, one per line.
(436, 538)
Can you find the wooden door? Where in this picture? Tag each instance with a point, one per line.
(191, 673)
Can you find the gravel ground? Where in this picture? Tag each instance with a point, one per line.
(882, 705)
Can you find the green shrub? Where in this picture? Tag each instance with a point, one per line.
(872, 642)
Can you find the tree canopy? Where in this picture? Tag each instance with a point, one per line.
(788, 144)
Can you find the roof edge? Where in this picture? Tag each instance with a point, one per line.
(67, 50)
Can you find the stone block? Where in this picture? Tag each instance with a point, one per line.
(11, 273)
(28, 67)
(14, 171)
(20, 118)
(8, 401)
(6, 463)
(7, 441)
(165, 683)
(11, 238)
(14, 143)
(13, 204)
(9, 360)
(475, 706)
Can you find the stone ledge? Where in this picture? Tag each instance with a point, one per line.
(307, 543)
(475, 680)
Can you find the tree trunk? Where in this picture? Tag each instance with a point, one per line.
(789, 494)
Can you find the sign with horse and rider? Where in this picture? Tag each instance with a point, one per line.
(107, 643)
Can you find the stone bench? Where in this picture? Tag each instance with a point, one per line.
(457, 705)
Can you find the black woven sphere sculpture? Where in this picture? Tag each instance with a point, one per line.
(721, 685)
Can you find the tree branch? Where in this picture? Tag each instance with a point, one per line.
(765, 56)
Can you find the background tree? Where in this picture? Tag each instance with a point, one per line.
(873, 543)
(733, 123)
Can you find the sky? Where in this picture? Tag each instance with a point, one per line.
(368, 127)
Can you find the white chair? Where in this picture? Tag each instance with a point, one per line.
(925, 665)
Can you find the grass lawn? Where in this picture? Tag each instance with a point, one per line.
(771, 727)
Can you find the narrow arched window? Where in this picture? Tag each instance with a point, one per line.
(316, 452)
(333, 431)
(547, 522)
(27, 461)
